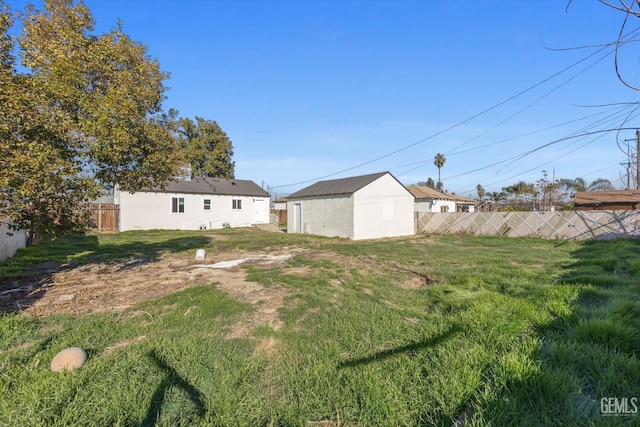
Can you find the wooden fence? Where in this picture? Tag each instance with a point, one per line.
(106, 217)
(566, 225)
(281, 214)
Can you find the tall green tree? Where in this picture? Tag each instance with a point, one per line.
(428, 183)
(83, 113)
(41, 186)
(481, 192)
(207, 148)
(439, 160)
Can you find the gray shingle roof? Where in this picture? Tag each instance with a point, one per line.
(334, 187)
(227, 187)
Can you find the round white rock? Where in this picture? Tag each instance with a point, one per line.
(68, 359)
(200, 254)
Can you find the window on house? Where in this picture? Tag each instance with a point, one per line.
(177, 204)
(444, 208)
(237, 204)
(206, 204)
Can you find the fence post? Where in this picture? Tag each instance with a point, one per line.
(99, 216)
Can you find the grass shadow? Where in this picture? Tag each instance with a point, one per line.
(172, 379)
(409, 348)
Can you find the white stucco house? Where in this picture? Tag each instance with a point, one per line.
(194, 204)
(360, 207)
(431, 200)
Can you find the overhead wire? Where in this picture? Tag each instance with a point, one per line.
(455, 125)
(517, 156)
(537, 167)
(604, 120)
(547, 94)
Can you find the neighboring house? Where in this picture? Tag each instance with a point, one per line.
(192, 204)
(431, 200)
(280, 204)
(360, 207)
(607, 200)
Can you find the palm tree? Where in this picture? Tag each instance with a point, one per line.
(480, 190)
(601, 184)
(580, 184)
(439, 160)
(574, 185)
(519, 189)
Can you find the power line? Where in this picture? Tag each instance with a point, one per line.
(531, 104)
(584, 129)
(457, 124)
(537, 167)
(602, 133)
(529, 152)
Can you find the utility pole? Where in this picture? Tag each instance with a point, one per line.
(638, 158)
(629, 163)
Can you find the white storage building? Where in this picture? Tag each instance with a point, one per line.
(360, 207)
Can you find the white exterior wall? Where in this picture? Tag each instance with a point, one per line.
(9, 245)
(435, 205)
(149, 210)
(330, 216)
(431, 205)
(384, 208)
(423, 205)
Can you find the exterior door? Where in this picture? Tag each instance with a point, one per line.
(297, 218)
(261, 214)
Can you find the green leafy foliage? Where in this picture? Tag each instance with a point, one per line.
(207, 148)
(82, 114)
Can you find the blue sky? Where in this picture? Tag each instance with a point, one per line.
(311, 90)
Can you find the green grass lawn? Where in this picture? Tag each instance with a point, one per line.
(420, 331)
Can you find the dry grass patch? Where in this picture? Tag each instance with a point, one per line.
(108, 351)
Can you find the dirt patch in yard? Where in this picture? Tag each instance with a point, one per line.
(98, 288)
(51, 287)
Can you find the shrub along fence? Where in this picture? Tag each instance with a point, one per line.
(566, 225)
